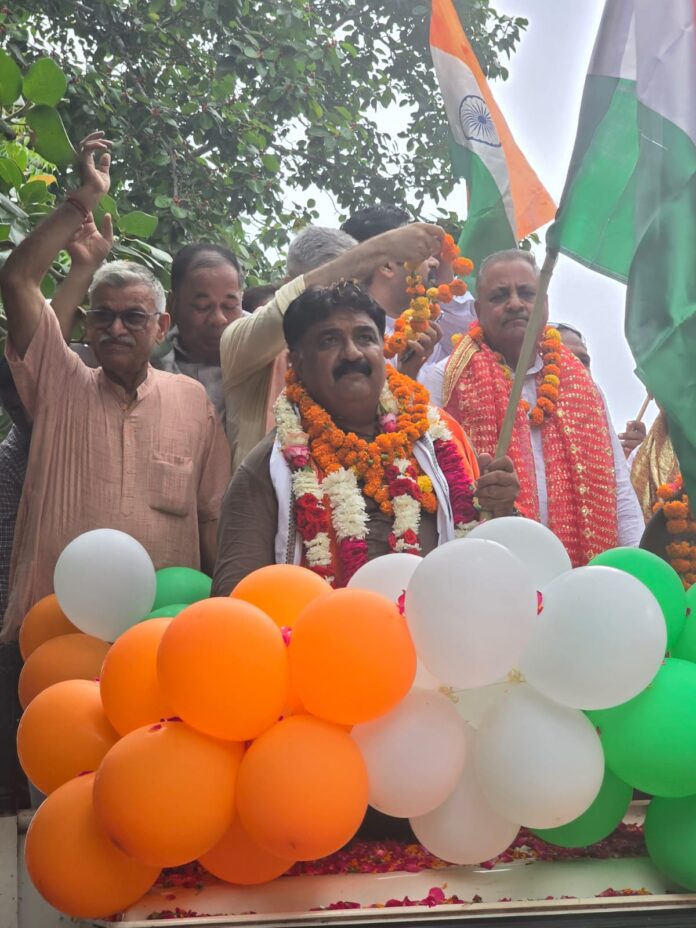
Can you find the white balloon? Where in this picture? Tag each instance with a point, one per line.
(424, 679)
(600, 639)
(388, 575)
(414, 754)
(465, 829)
(104, 582)
(541, 552)
(471, 608)
(538, 763)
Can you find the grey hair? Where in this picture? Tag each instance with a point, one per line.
(314, 246)
(124, 273)
(505, 257)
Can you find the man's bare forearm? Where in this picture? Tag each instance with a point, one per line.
(69, 296)
(21, 276)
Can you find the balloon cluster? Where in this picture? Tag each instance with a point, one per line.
(582, 704)
(252, 731)
(218, 730)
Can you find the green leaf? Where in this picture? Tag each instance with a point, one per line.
(178, 212)
(271, 163)
(5, 228)
(138, 224)
(162, 202)
(50, 138)
(10, 173)
(33, 193)
(48, 286)
(10, 80)
(44, 82)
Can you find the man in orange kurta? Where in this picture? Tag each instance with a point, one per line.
(124, 446)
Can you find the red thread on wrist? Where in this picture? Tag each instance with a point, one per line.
(79, 206)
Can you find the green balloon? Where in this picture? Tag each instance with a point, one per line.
(602, 817)
(650, 741)
(659, 577)
(685, 648)
(670, 836)
(166, 612)
(181, 585)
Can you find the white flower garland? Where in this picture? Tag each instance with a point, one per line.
(347, 503)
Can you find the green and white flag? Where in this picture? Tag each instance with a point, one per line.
(629, 205)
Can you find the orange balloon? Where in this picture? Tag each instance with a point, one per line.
(63, 733)
(73, 864)
(44, 620)
(302, 789)
(130, 688)
(67, 657)
(351, 657)
(281, 591)
(238, 859)
(223, 666)
(165, 793)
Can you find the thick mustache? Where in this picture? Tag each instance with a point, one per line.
(348, 367)
(127, 340)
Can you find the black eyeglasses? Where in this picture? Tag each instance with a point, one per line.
(133, 319)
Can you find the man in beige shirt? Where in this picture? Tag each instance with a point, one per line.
(252, 350)
(123, 446)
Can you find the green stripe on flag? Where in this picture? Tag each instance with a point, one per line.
(661, 298)
(487, 228)
(595, 222)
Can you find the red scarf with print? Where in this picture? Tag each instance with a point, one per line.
(576, 442)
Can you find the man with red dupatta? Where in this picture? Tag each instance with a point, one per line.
(360, 464)
(571, 467)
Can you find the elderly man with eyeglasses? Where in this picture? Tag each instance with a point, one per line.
(122, 446)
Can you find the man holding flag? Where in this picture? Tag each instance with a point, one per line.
(572, 471)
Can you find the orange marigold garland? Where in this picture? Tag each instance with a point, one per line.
(547, 391)
(674, 503)
(332, 471)
(425, 302)
(332, 448)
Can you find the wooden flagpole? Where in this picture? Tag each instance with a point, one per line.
(643, 409)
(527, 352)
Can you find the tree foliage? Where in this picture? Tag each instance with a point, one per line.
(228, 113)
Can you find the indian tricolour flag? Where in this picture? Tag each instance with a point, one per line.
(629, 205)
(507, 200)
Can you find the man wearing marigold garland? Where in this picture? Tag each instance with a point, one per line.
(360, 463)
(572, 470)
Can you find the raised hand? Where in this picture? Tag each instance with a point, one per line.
(414, 242)
(633, 436)
(89, 247)
(93, 168)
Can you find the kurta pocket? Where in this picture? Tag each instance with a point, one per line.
(171, 484)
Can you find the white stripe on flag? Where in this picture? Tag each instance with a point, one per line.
(666, 45)
(457, 83)
(614, 53)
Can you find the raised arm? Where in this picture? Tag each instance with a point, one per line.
(21, 276)
(88, 249)
(249, 344)
(414, 243)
